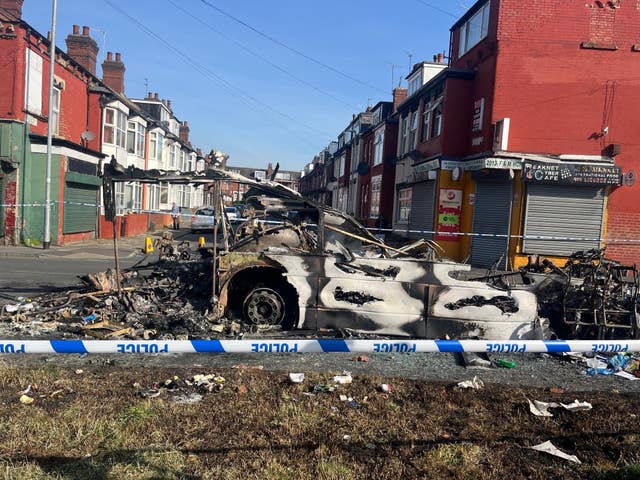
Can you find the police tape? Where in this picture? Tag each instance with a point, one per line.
(315, 346)
(405, 231)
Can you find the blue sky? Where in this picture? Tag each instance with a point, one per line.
(208, 65)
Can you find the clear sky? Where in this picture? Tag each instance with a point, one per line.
(239, 81)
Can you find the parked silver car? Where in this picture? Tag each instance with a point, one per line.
(202, 219)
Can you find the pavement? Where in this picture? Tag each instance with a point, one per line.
(96, 248)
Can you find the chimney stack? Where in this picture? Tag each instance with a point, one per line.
(184, 132)
(399, 96)
(169, 104)
(113, 72)
(155, 96)
(440, 57)
(82, 48)
(11, 10)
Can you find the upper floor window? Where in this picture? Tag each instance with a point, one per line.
(426, 122)
(413, 131)
(55, 111)
(114, 127)
(378, 146)
(415, 84)
(135, 138)
(436, 127)
(474, 29)
(260, 174)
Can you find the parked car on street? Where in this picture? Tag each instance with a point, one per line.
(232, 214)
(202, 219)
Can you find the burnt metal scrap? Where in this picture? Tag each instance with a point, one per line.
(502, 302)
(591, 296)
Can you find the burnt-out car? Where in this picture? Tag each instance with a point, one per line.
(299, 265)
(319, 269)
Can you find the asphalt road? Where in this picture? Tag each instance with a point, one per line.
(23, 276)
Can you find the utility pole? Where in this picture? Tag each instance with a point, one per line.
(47, 187)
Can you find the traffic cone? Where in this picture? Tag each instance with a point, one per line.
(148, 245)
(201, 242)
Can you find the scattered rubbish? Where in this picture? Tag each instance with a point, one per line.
(79, 371)
(360, 358)
(242, 390)
(323, 388)
(475, 383)
(548, 447)
(618, 362)
(475, 360)
(25, 391)
(385, 388)
(346, 438)
(26, 399)
(208, 383)
(541, 409)
(242, 366)
(556, 390)
(296, 377)
(599, 371)
(89, 318)
(627, 375)
(343, 379)
(344, 398)
(504, 363)
(187, 399)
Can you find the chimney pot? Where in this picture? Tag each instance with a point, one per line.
(113, 72)
(85, 31)
(169, 104)
(155, 96)
(440, 57)
(118, 57)
(76, 29)
(109, 56)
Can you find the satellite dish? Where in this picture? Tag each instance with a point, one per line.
(87, 135)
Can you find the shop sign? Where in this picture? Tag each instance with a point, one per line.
(491, 162)
(426, 166)
(571, 173)
(450, 164)
(425, 171)
(449, 213)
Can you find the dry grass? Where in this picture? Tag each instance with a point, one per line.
(94, 426)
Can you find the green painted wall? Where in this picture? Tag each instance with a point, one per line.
(34, 193)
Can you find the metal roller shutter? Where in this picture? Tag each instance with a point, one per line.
(79, 207)
(423, 196)
(566, 212)
(491, 215)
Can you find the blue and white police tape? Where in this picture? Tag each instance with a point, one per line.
(316, 346)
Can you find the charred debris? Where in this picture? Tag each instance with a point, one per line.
(261, 276)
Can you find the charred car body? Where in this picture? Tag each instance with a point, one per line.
(312, 267)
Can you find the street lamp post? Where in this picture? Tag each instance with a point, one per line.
(47, 188)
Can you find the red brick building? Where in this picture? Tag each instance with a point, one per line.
(534, 140)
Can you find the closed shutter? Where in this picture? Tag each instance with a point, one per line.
(491, 216)
(79, 208)
(422, 206)
(565, 212)
(1, 207)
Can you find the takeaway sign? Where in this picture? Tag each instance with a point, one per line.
(571, 173)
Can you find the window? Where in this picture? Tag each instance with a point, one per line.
(173, 155)
(474, 29)
(182, 164)
(135, 138)
(154, 198)
(436, 128)
(378, 141)
(33, 80)
(133, 197)
(55, 111)
(426, 122)
(260, 174)
(415, 84)
(283, 176)
(376, 183)
(153, 145)
(119, 197)
(164, 193)
(404, 123)
(114, 127)
(404, 205)
(413, 131)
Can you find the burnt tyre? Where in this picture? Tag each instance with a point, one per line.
(264, 306)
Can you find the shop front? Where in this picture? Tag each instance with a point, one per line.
(565, 206)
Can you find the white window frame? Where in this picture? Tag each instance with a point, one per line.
(33, 83)
(117, 126)
(436, 127)
(55, 110)
(378, 146)
(374, 204)
(426, 123)
(154, 198)
(413, 130)
(474, 30)
(404, 205)
(135, 131)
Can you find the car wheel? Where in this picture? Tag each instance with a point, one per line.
(264, 305)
